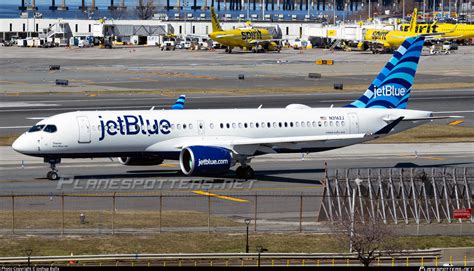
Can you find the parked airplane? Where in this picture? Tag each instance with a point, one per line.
(211, 141)
(451, 31)
(251, 38)
(391, 39)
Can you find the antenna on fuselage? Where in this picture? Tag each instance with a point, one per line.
(260, 106)
(152, 108)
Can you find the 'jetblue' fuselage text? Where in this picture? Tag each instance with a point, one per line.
(133, 125)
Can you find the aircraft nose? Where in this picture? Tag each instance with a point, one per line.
(22, 145)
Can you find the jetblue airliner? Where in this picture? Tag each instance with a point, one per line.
(210, 142)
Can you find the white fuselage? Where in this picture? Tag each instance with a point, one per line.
(165, 132)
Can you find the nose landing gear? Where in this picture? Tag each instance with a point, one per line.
(53, 175)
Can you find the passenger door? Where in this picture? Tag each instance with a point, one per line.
(354, 122)
(84, 129)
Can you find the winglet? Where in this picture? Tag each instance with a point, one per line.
(179, 103)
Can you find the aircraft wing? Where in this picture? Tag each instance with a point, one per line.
(224, 36)
(250, 146)
(256, 42)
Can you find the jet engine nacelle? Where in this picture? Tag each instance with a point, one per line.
(140, 161)
(203, 160)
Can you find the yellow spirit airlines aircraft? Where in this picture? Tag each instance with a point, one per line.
(251, 38)
(451, 31)
(391, 39)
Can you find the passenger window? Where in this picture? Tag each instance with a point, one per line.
(184, 126)
(314, 124)
(302, 124)
(191, 126)
(325, 124)
(228, 125)
(50, 128)
(274, 125)
(222, 126)
(245, 125)
(269, 124)
(286, 124)
(251, 125)
(331, 123)
(256, 124)
(343, 123)
(297, 124)
(308, 124)
(280, 125)
(172, 126)
(240, 125)
(263, 125)
(320, 123)
(36, 128)
(234, 125)
(211, 125)
(337, 123)
(178, 126)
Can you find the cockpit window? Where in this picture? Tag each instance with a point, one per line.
(36, 128)
(50, 128)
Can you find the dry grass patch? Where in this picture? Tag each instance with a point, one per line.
(52, 219)
(201, 243)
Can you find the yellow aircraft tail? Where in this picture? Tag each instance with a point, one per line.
(215, 23)
(412, 27)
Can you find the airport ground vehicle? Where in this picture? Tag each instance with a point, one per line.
(168, 45)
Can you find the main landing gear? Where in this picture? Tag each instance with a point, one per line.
(53, 175)
(228, 49)
(245, 172)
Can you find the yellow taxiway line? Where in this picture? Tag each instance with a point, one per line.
(456, 122)
(207, 194)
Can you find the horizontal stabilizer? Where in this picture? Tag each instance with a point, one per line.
(385, 130)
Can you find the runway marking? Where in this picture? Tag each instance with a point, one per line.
(423, 157)
(168, 165)
(456, 122)
(82, 108)
(14, 127)
(412, 99)
(207, 194)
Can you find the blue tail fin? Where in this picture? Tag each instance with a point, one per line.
(391, 88)
(179, 103)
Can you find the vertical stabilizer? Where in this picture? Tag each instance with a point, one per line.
(391, 88)
(215, 22)
(412, 27)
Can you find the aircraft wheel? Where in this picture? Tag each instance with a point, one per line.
(245, 172)
(53, 176)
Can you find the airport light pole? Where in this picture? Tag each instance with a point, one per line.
(403, 8)
(248, 10)
(370, 11)
(260, 249)
(247, 223)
